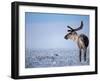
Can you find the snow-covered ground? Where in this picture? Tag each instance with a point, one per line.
(53, 58)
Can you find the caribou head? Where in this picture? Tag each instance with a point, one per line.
(72, 32)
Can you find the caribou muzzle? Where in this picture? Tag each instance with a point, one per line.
(66, 37)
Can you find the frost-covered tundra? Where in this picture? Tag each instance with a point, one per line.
(82, 40)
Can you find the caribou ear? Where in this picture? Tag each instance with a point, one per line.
(70, 29)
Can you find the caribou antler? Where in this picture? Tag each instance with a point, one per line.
(71, 29)
(81, 26)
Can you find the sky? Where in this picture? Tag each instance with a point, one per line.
(47, 30)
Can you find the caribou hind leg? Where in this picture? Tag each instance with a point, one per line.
(85, 50)
(80, 55)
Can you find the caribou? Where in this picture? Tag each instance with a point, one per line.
(81, 40)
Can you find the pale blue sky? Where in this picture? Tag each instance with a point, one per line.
(46, 30)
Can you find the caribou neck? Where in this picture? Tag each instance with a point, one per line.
(75, 38)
